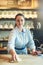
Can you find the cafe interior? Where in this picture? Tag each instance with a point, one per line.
(33, 12)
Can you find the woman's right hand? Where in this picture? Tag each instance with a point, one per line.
(15, 57)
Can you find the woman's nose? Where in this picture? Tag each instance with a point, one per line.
(20, 22)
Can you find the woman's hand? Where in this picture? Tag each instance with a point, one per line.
(15, 57)
(35, 52)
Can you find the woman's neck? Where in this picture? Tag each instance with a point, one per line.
(20, 29)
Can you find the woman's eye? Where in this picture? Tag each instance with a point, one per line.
(19, 20)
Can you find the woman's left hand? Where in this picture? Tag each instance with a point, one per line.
(36, 52)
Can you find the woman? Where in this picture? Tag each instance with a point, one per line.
(20, 38)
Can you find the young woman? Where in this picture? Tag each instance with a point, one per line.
(20, 38)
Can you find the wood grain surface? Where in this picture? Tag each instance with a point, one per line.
(26, 60)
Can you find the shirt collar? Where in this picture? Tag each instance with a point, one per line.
(22, 30)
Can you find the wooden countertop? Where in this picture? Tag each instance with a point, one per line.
(26, 60)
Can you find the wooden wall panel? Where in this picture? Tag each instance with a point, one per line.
(23, 4)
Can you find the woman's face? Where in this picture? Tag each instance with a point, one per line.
(20, 21)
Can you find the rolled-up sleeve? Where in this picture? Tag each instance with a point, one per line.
(31, 43)
(11, 41)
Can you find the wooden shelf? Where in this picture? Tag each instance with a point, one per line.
(5, 29)
(14, 9)
(2, 49)
(3, 40)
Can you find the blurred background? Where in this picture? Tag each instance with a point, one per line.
(33, 12)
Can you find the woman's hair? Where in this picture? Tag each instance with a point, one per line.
(19, 14)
